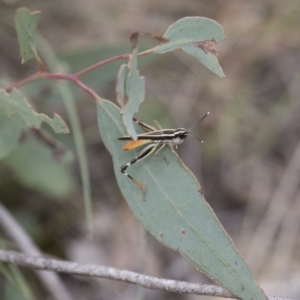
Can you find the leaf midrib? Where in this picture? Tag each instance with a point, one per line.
(169, 201)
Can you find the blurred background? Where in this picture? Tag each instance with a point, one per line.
(248, 166)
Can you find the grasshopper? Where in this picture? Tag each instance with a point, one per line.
(155, 140)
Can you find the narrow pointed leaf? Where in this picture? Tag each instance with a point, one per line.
(174, 210)
(15, 104)
(26, 23)
(130, 92)
(66, 94)
(196, 36)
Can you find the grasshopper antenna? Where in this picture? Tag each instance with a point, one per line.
(199, 122)
(196, 138)
(196, 125)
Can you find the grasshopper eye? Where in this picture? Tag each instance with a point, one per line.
(183, 135)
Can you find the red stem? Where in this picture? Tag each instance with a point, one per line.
(74, 78)
(87, 89)
(24, 81)
(101, 63)
(71, 77)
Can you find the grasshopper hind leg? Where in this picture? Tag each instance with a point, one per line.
(139, 184)
(144, 153)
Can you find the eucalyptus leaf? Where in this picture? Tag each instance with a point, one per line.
(174, 210)
(130, 92)
(16, 104)
(196, 36)
(26, 23)
(121, 85)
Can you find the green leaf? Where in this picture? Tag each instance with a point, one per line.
(42, 165)
(15, 104)
(196, 36)
(26, 23)
(130, 92)
(174, 210)
(10, 130)
(121, 85)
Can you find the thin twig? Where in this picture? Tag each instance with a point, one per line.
(155, 283)
(70, 77)
(108, 60)
(87, 89)
(101, 63)
(24, 81)
(51, 280)
(73, 77)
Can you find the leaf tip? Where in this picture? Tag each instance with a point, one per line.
(26, 23)
(61, 126)
(222, 75)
